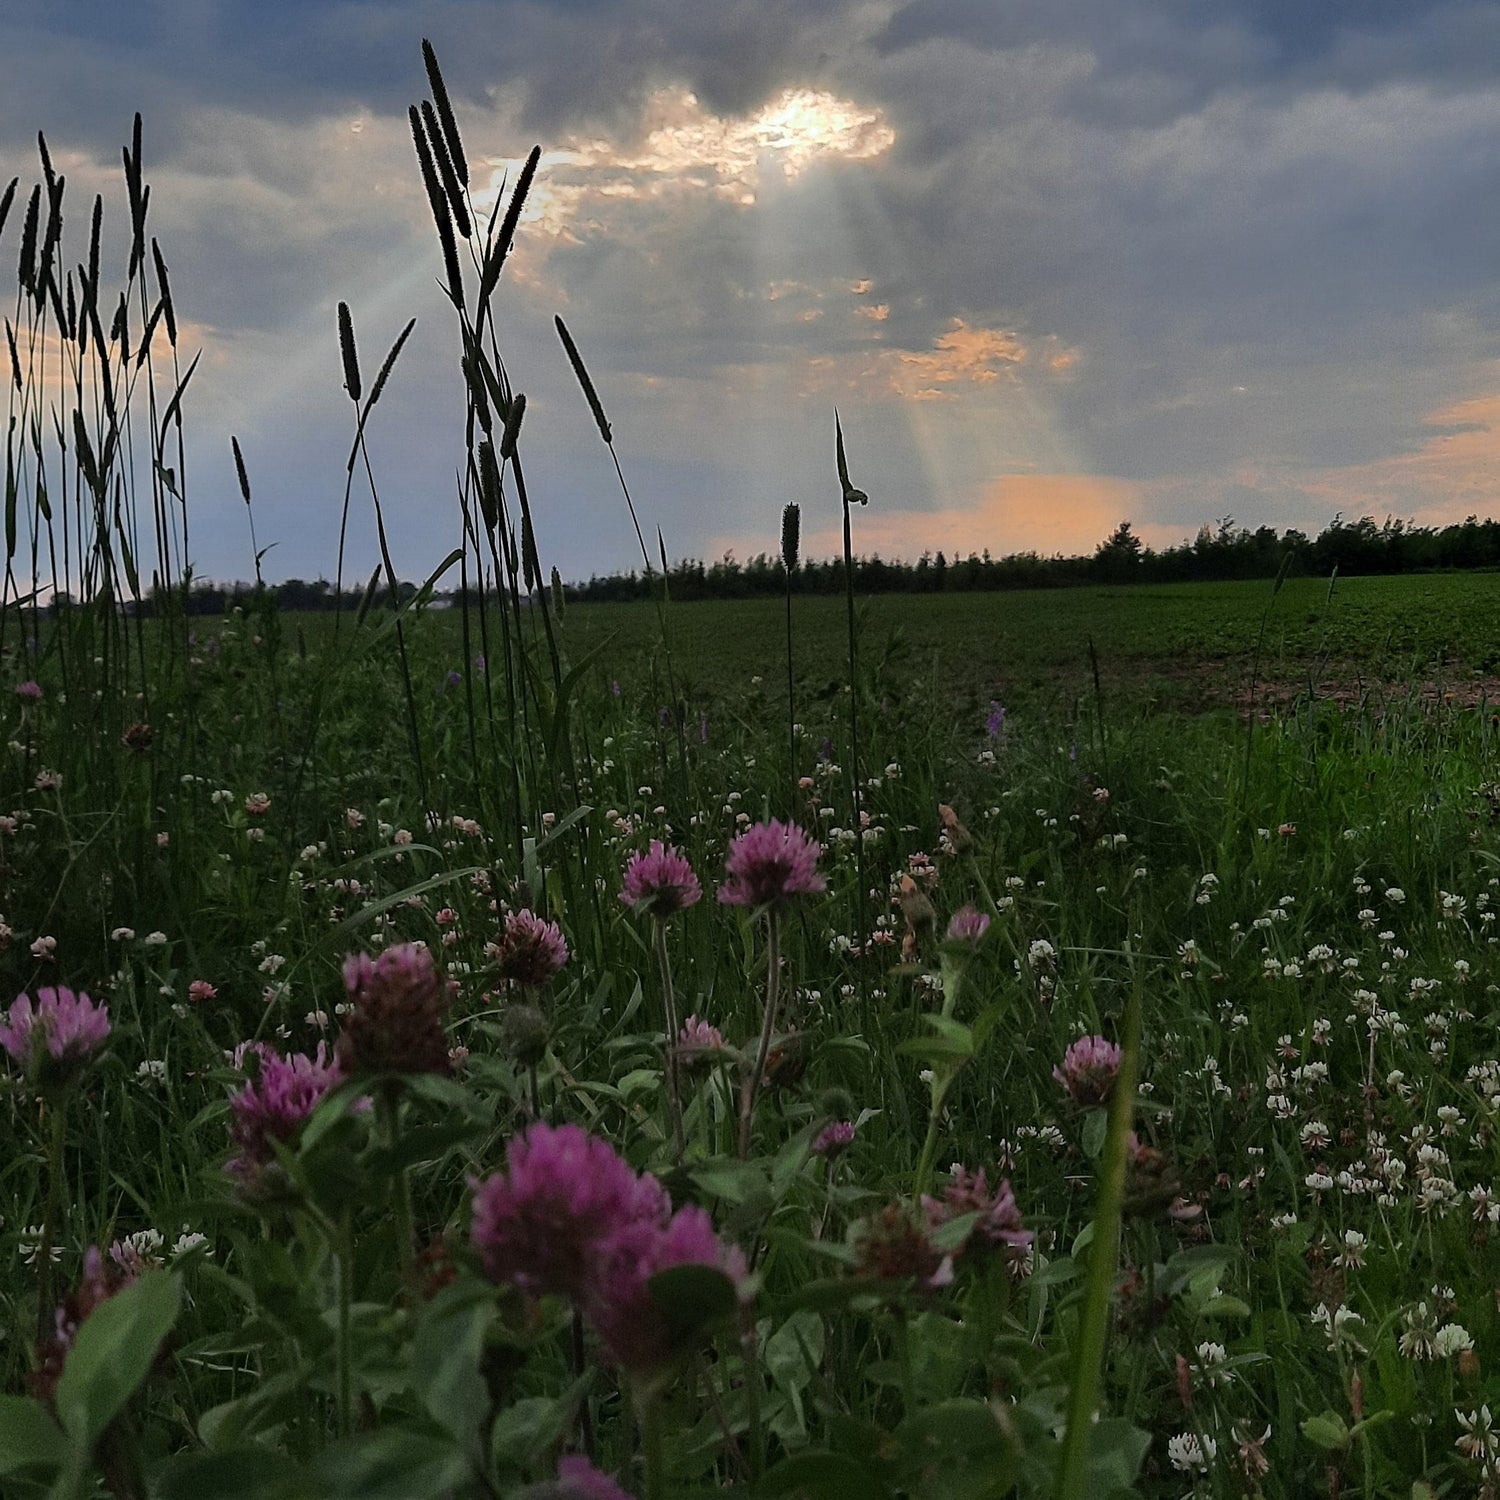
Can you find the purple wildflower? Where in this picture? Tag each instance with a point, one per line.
(995, 724)
(895, 1245)
(54, 1038)
(623, 1311)
(570, 1216)
(770, 862)
(999, 1224)
(833, 1139)
(272, 1108)
(700, 1045)
(543, 1222)
(29, 692)
(1089, 1068)
(660, 881)
(531, 950)
(100, 1280)
(577, 1479)
(395, 1024)
(968, 925)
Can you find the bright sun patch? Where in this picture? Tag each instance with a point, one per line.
(683, 148)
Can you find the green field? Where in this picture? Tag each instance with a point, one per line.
(1181, 645)
(1294, 908)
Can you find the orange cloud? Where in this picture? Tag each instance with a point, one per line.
(1046, 513)
(965, 354)
(1454, 473)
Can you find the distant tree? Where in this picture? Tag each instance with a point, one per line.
(1118, 557)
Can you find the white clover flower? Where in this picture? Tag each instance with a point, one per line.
(1452, 1338)
(1191, 1454)
(1478, 1440)
(1212, 1363)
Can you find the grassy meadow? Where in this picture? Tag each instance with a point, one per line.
(1061, 1062)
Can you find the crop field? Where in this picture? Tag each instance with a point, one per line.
(1185, 645)
(1048, 1049)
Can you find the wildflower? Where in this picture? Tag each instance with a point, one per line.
(833, 1139)
(1089, 1068)
(768, 864)
(138, 1252)
(569, 1215)
(31, 1246)
(200, 990)
(623, 1310)
(577, 1479)
(523, 1034)
(100, 1281)
(1352, 1256)
(28, 692)
(396, 1024)
(955, 839)
(138, 737)
(1479, 1440)
(968, 925)
(999, 1224)
(699, 1045)
(994, 725)
(187, 1242)
(54, 1038)
(531, 949)
(543, 1222)
(272, 1107)
(1452, 1338)
(660, 882)
(48, 781)
(1190, 1453)
(1213, 1361)
(896, 1246)
(153, 1070)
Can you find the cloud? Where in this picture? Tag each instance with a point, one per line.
(1453, 473)
(1046, 513)
(1138, 257)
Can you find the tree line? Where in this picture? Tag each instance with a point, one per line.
(1222, 551)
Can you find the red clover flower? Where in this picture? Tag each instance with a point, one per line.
(531, 950)
(769, 863)
(396, 1023)
(660, 882)
(273, 1106)
(1089, 1068)
(54, 1039)
(569, 1215)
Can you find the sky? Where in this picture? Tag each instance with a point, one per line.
(1055, 263)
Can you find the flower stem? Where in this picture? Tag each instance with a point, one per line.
(669, 1007)
(1093, 1329)
(55, 1147)
(929, 1146)
(345, 1260)
(390, 1108)
(651, 1444)
(750, 1084)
